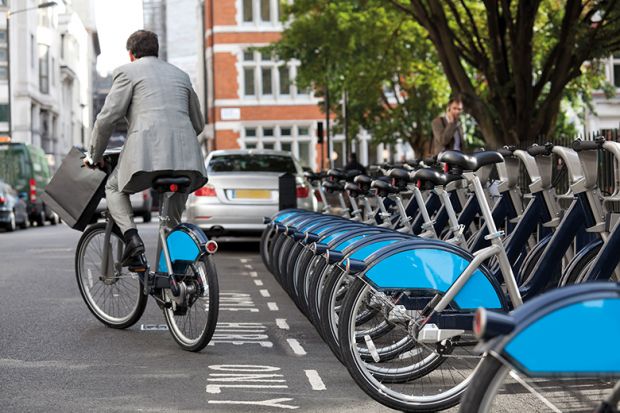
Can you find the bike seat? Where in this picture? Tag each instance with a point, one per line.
(171, 184)
(331, 186)
(399, 173)
(353, 189)
(383, 188)
(363, 181)
(351, 174)
(312, 177)
(435, 177)
(471, 162)
(335, 175)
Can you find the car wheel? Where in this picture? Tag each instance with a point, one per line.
(147, 217)
(10, 227)
(53, 218)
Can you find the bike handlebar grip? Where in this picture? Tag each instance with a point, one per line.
(536, 150)
(507, 150)
(580, 145)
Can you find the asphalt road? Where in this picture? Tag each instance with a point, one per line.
(55, 356)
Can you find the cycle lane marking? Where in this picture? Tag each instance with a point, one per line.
(296, 347)
(231, 378)
(282, 324)
(264, 292)
(258, 283)
(315, 380)
(273, 306)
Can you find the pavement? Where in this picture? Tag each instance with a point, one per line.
(56, 357)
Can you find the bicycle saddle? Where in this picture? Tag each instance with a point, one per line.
(363, 181)
(383, 188)
(353, 189)
(471, 162)
(351, 174)
(398, 173)
(171, 184)
(312, 177)
(435, 177)
(335, 175)
(331, 186)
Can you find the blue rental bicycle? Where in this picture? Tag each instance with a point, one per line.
(525, 360)
(184, 284)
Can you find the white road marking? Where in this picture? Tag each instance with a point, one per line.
(248, 266)
(266, 403)
(253, 274)
(315, 380)
(243, 260)
(259, 283)
(296, 347)
(281, 322)
(265, 293)
(273, 306)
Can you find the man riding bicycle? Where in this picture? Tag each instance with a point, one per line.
(164, 117)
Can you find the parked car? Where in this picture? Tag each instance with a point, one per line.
(13, 208)
(25, 168)
(242, 189)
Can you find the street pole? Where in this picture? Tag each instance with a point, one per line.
(347, 141)
(327, 134)
(8, 71)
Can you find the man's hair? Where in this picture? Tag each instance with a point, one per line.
(143, 43)
(455, 97)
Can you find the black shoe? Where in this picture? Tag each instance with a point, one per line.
(133, 248)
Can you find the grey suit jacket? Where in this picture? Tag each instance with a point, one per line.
(164, 119)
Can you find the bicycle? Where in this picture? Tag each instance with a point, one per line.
(550, 377)
(184, 284)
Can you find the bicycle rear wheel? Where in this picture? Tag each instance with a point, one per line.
(114, 298)
(192, 317)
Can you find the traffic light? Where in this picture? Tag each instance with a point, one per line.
(319, 132)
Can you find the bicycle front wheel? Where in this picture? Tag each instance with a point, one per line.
(192, 316)
(497, 387)
(115, 298)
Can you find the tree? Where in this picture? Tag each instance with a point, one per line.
(382, 59)
(514, 61)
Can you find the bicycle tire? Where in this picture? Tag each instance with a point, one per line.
(175, 313)
(111, 288)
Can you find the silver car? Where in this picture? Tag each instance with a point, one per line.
(242, 189)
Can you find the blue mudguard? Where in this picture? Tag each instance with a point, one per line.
(569, 331)
(186, 243)
(433, 266)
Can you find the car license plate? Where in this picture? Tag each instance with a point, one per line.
(252, 194)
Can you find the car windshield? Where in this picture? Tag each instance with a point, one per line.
(252, 163)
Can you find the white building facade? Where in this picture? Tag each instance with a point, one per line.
(50, 77)
(606, 114)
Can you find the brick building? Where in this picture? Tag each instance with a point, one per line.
(252, 100)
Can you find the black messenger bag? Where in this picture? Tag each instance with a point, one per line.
(74, 192)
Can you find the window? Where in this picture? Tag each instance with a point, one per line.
(266, 79)
(248, 82)
(251, 163)
(260, 11)
(291, 138)
(2, 36)
(248, 11)
(265, 10)
(4, 73)
(53, 70)
(4, 113)
(616, 69)
(285, 80)
(263, 75)
(32, 52)
(44, 69)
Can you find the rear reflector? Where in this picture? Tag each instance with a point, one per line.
(33, 189)
(211, 247)
(302, 191)
(206, 190)
(2, 200)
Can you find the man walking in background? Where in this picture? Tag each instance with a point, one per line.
(447, 129)
(164, 118)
